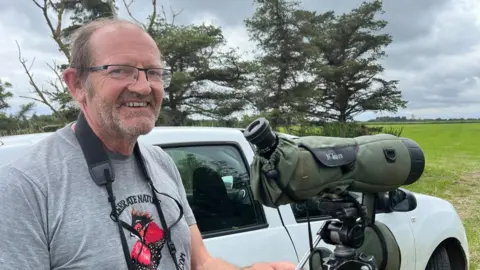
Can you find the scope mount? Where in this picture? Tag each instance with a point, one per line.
(346, 233)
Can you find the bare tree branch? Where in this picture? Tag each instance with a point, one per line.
(32, 98)
(36, 89)
(36, 3)
(57, 30)
(53, 6)
(174, 15)
(153, 16)
(127, 7)
(59, 78)
(164, 14)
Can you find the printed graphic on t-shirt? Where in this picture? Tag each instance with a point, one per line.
(150, 240)
(147, 250)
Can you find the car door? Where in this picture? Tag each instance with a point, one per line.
(234, 226)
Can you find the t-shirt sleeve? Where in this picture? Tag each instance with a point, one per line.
(187, 210)
(24, 241)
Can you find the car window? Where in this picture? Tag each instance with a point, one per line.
(216, 181)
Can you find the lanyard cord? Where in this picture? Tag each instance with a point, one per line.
(114, 216)
(171, 246)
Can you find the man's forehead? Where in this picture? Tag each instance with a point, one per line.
(115, 26)
(126, 40)
(120, 31)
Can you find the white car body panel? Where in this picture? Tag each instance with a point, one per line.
(432, 222)
(418, 232)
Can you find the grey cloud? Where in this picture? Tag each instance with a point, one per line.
(231, 12)
(27, 16)
(408, 19)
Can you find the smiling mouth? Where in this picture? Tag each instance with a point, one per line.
(136, 104)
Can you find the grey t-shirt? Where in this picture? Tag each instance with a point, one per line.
(54, 216)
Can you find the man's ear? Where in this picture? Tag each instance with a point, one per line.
(71, 78)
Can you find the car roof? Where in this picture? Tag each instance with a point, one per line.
(13, 146)
(158, 135)
(23, 138)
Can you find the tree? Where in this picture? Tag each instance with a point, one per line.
(10, 122)
(274, 27)
(4, 95)
(84, 11)
(205, 80)
(346, 68)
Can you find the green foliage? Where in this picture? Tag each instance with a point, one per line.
(20, 124)
(346, 67)
(278, 84)
(84, 11)
(206, 81)
(5, 95)
(397, 131)
(340, 129)
(24, 109)
(319, 67)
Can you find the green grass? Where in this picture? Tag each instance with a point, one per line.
(452, 171)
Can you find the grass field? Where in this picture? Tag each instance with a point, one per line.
(452, 171)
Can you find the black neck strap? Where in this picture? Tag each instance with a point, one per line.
(101, 171)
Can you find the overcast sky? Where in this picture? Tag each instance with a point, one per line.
(435, 54)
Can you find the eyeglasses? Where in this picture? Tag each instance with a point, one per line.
(124, 72)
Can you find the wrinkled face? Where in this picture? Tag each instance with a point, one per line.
(121, 106)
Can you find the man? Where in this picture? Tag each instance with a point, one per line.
(54, 216)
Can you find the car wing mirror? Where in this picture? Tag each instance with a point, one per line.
(398, 200)
(401, 200)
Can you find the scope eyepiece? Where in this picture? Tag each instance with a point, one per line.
(260, 134)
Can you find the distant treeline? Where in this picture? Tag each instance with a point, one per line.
(405, 120)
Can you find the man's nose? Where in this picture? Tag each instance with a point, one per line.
(141, 86)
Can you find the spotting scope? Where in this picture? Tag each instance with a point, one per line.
(288, 169)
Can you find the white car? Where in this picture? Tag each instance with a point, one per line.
(430, 236)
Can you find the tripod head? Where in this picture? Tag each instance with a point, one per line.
(346, 231)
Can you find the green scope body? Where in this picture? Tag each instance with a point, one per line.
(286, 170)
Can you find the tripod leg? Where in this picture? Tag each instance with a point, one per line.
(308, 254)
